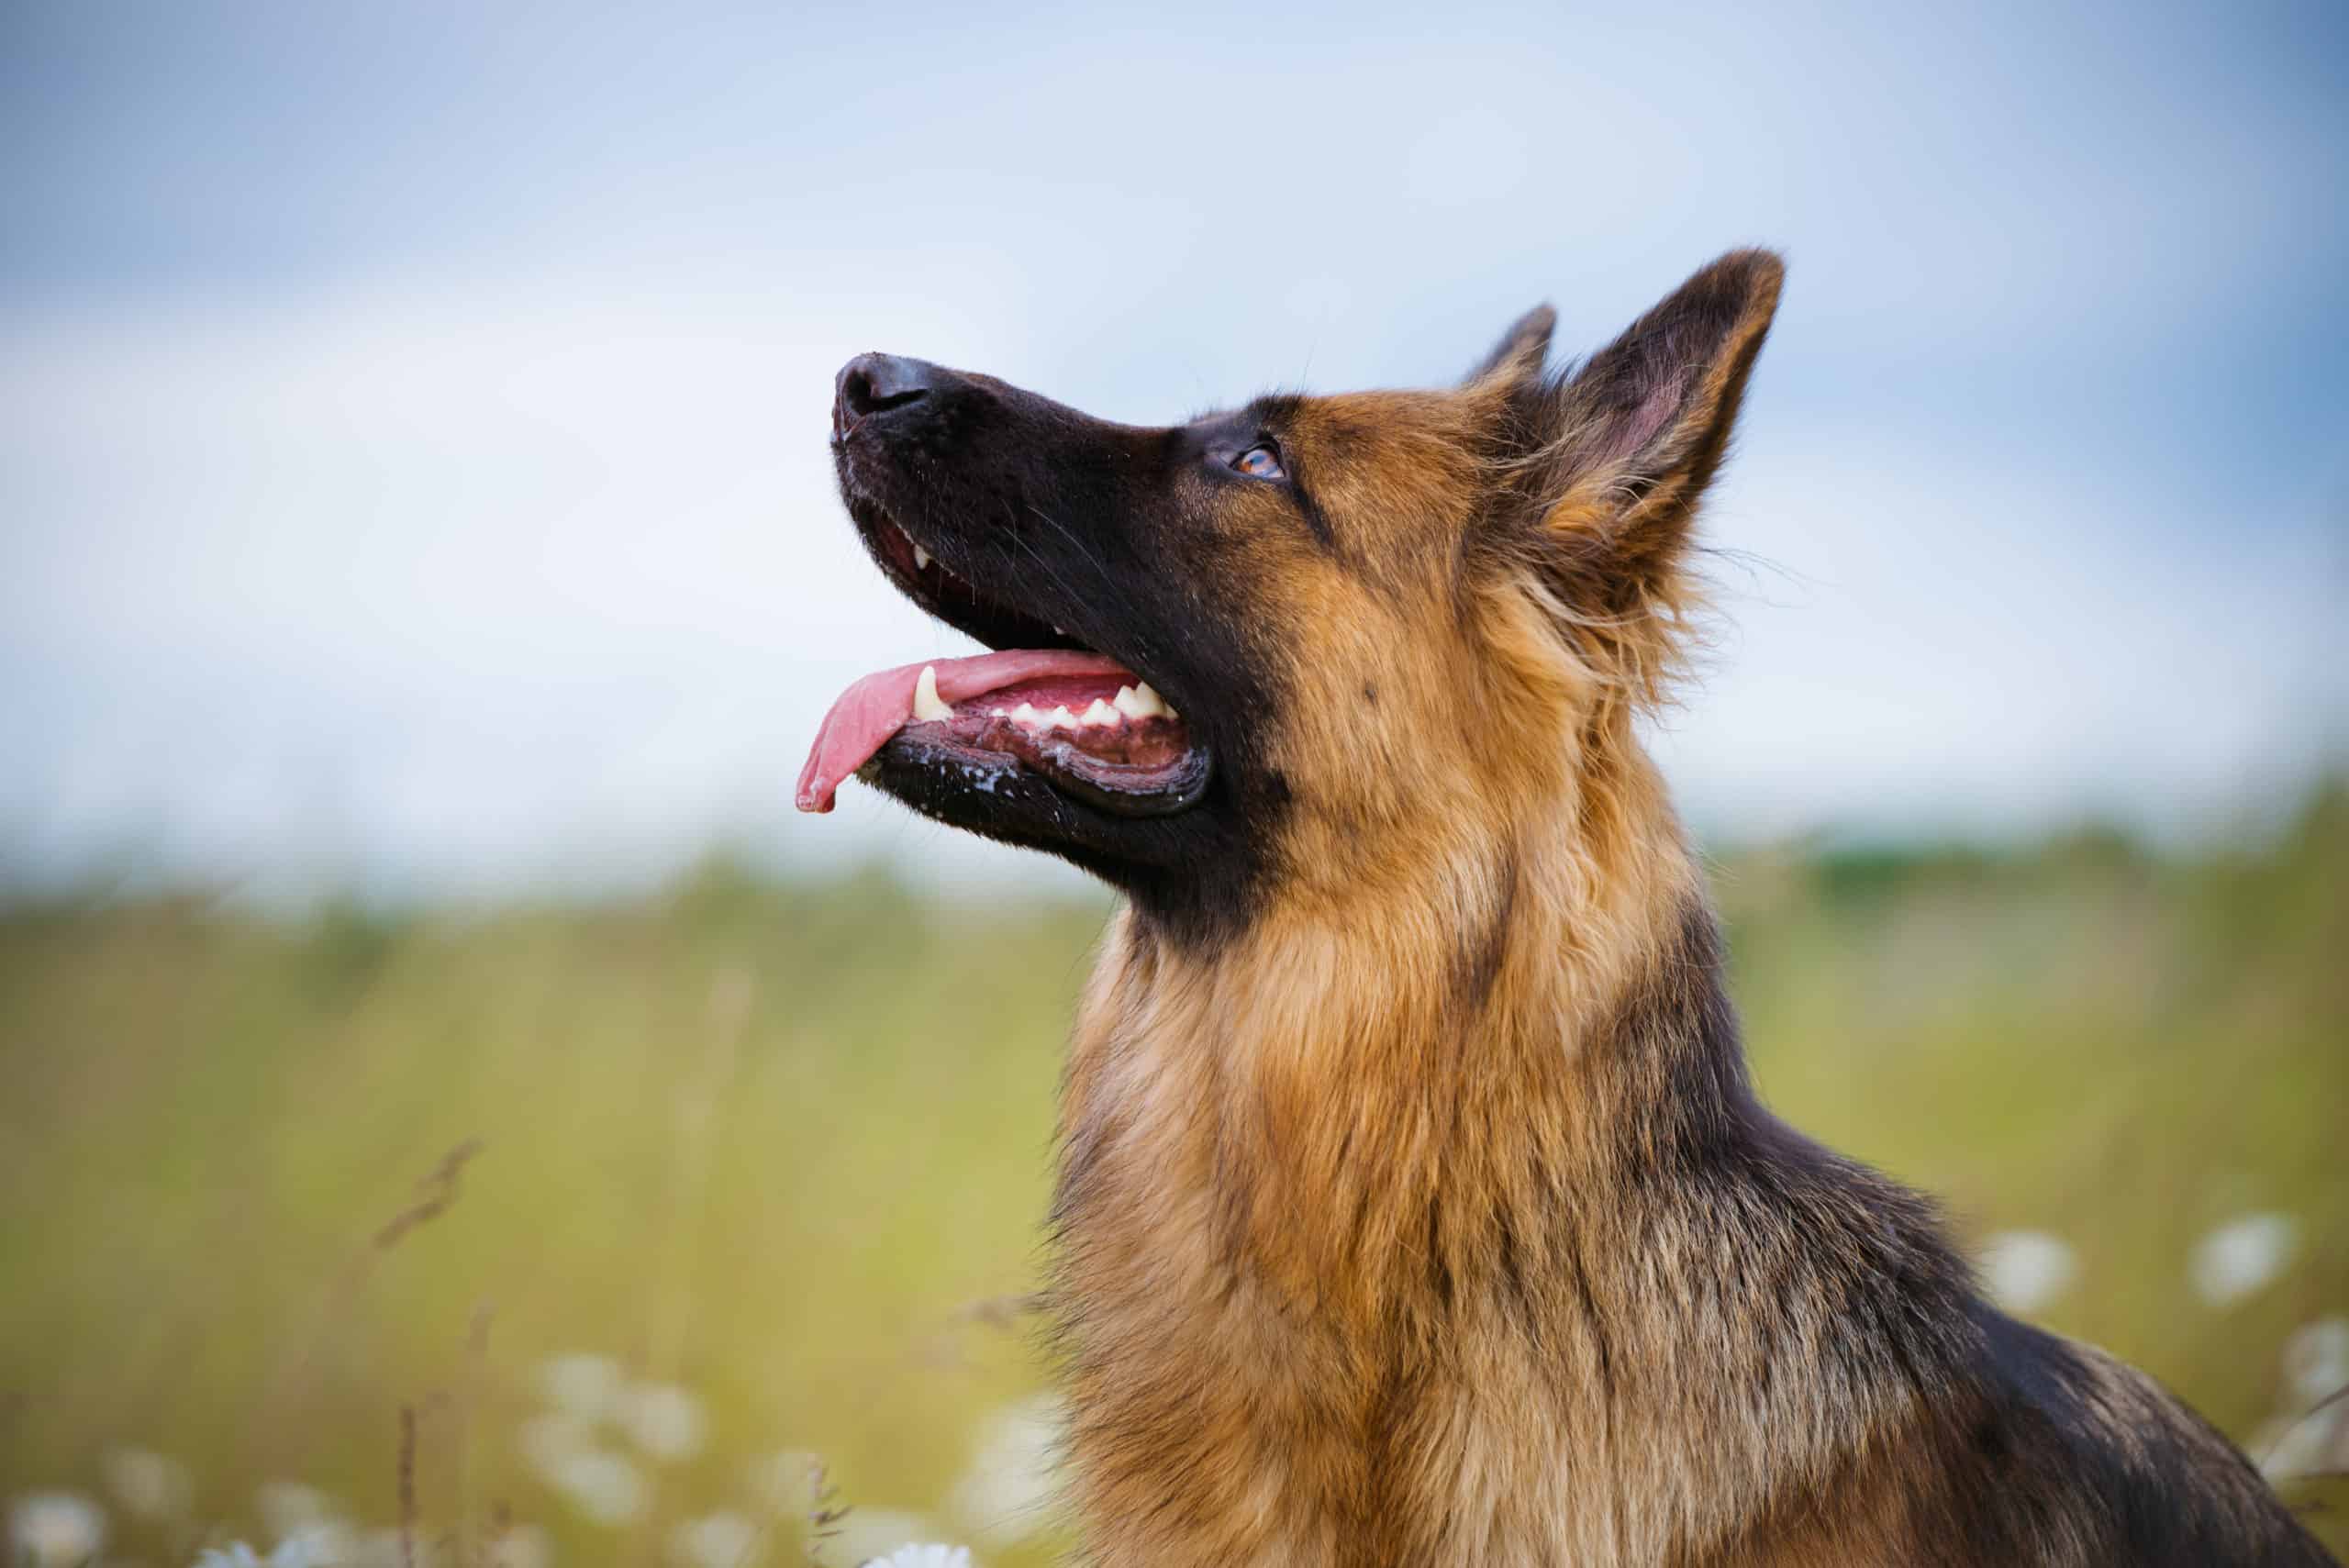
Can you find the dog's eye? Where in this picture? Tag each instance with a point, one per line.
(1260, 462)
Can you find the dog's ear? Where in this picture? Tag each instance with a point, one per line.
(1517, 358)
(1609, 468)
(1631, 439)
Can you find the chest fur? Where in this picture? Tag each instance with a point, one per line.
(1376, 1287)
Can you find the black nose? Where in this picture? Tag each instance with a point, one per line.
(875, 383)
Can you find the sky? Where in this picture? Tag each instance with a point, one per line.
(412, 417)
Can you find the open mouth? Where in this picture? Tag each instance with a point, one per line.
(1083, 720)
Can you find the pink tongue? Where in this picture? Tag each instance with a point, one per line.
(879, 706)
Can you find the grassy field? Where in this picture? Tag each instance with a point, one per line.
(597, 1219)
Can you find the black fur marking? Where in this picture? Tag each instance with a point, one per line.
(1599, 1337)
(1102, 528)
(2020, 1440)
(1311, 511)
(1439, 1264)
(1519, 1289)
(1483, 954)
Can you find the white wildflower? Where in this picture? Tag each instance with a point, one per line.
(722, 1540)
(520, 1546)
(149, 1485)
(2316, 1359)
(2025, 1269)
(55, 1530)
(664, 1421)
(381, 1548)
(551, 1441)
(867, 1534)
(1009, 1488)
(327, 1544)
(2242, 1256)
(288, 1508)
(924, 1557)
(236, 1554)
(328, 1548)
(603, 1485)
(585, 1386)
(2290, 1446)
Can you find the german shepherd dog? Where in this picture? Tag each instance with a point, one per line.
(1414, 1204)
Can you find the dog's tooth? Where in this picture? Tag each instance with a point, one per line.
(1026, 714)
(1060, 719)
(1142, 703)
(921, 558)
(1100, 713)
(927, 707)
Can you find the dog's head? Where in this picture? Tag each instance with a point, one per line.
(1294, 644)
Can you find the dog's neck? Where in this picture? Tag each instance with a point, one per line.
(1438, 1021)
(1408, 1228)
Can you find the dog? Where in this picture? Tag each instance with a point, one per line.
(1414, 1205)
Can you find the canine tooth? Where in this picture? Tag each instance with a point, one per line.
(1100, 713)
(1026, 714)
(927, 707)
(1060, 719)
(1142, 703)
(921, 558)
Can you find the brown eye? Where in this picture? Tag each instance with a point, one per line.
(1260, 461)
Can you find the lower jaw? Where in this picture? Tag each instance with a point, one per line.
(1117, 789)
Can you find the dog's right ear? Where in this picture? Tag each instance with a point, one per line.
(1607, 465)
(1636, 434)
(1518, 358)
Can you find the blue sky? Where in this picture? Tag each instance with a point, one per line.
(413, 464)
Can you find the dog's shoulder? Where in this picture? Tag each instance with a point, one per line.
(2102, 1464)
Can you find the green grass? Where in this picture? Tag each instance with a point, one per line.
(771, 1139)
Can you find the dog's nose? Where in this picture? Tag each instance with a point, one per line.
(875, 383)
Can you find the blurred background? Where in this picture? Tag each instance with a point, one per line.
(444, 1081)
